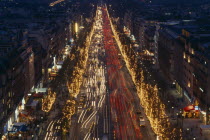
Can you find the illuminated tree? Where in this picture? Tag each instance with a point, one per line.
(48, 101)
(154, 108)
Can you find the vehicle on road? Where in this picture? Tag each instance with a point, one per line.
(80, 105)
(142, 121)
(82, 98)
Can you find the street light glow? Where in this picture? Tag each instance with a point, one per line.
(76, 27)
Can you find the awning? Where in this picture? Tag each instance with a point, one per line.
(34, 103)
(19, 127)
(19, 124)
(38, 95)
(23, 114)
(41, 90)
(189, 108)
(53, 74)
(205, 127)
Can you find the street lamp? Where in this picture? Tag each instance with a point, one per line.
(177, 114)
(188, 131)
(19, 136)
(172, 111)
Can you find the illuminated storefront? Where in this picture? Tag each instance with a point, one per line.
(191, 111)
(14, 116)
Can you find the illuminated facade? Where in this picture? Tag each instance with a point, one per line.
(17, 79)
(166, 44)
(190, 59)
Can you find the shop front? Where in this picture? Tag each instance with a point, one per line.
(203, 116)
(191, 111)
(14, 117)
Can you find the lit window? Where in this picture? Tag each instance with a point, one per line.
(184, 56)
(188, 84)
(43, 71)
(192, 51)
(188, 60)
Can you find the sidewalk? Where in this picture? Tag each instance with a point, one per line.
(148, 127)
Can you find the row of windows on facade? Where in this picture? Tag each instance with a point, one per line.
(188, 58)
(200, 88)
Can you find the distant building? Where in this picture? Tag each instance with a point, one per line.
(33, 38)
(183, 53)
(128, 21)
(149, 40)
(166, 44)
(17, 78)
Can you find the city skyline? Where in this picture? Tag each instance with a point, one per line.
(105, 70)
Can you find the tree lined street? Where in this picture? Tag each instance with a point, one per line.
(106, 102)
